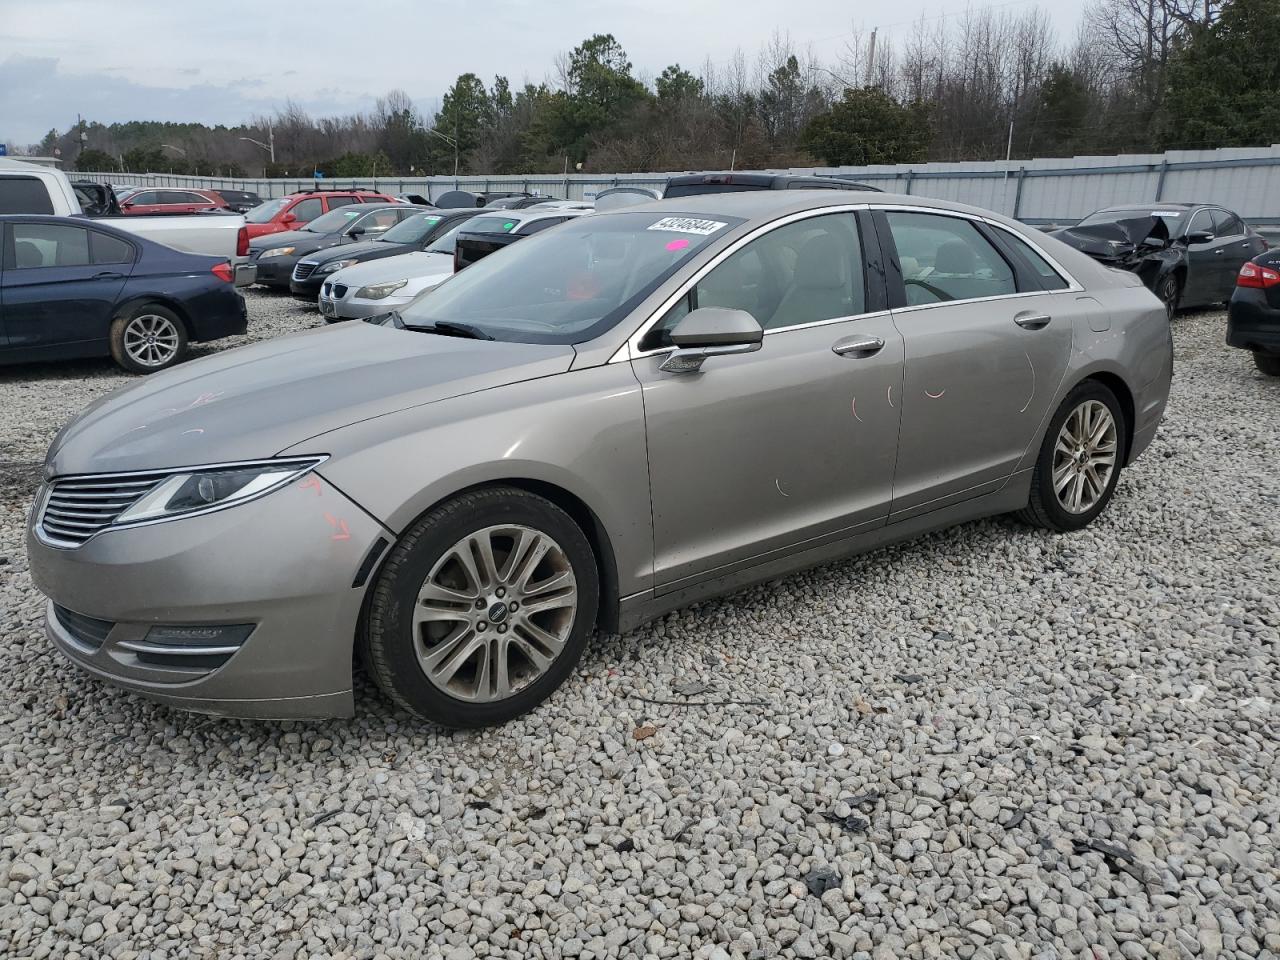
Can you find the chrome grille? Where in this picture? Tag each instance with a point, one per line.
(78, 507)
(304, 269)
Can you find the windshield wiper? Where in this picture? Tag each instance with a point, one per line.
(446, 328)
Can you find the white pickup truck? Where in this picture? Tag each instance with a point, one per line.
(31, 188)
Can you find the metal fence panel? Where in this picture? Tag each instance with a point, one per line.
(1043, 190)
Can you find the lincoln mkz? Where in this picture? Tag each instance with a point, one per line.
(623, 415)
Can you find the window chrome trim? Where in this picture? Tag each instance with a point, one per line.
(1074, 285)
(630, 350)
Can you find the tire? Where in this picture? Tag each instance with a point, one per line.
(1046, 508)
(483, 618)
(1169, 290)
(1268, 363)
(148, 338)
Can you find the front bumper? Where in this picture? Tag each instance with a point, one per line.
(352, 308)
(1253, 322)
(275, 272)
(284, 564)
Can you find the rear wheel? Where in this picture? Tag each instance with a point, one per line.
(1169, 290)
(1268, 363)
(1079, 463)
(148, 338)
(482, 609)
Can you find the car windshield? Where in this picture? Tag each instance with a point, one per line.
(334, 221)
(1172, 218)
(569, 284)
(263, 212)
(413, 229)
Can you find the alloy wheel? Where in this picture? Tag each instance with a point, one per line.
(494, 613)
(151, 340)
(1084, 457)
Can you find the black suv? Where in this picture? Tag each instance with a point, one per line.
(413, 233)
(698, 183)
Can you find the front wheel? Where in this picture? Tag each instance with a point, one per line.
(1079, 463)
(1268, 363)
(1169, 290)
(148, 338)
(482, 609)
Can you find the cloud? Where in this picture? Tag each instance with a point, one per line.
(28, 109)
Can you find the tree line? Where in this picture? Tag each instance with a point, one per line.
(1137, 76)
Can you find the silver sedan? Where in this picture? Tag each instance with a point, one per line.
(611, 420)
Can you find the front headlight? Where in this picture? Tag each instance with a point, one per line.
(203, 490)
(276, 252)
(333, 265)
(380, 291)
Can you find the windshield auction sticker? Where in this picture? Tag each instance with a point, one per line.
(703, 228)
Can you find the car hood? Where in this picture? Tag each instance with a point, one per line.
(1117, 240)
(364, 248)
(400, 267)
(254, 401)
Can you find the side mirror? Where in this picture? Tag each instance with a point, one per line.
(289, 218)
(355, 232)
(1199, 236)
(711, 332)
(127, 205)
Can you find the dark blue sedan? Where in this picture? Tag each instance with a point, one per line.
(73, 288)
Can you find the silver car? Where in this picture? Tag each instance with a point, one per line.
(613, 419)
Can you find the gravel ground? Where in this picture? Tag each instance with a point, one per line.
(991, 743)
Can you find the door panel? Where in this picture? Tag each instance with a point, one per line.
(1204, 263)
(977, 387)
(766, 450)
(53, 293)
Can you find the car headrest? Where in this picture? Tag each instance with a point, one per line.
(27, 254)
(822, 264)
(954, 257)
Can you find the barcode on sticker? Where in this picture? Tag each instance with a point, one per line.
(703, 228)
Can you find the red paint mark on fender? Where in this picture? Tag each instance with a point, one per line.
(339, 525)
(310, 483)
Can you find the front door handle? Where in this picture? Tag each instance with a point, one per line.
(1032, 321)
(857, 346)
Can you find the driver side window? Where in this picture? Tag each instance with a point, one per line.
(801, 273)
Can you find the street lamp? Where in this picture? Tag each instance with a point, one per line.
(452, 142)
(269, 146)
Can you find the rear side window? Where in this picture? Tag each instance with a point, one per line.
(1227, 224)
(24, 195)
(335, 202)
(536, 225)
(108, 249)
(946, 258)
(307, 210)
(49, 245)
(1050, 278)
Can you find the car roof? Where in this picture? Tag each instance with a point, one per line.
(528, 213)
(1154, 205)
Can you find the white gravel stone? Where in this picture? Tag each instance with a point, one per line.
(1054, 708)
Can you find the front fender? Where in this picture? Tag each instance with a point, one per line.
(581, 431)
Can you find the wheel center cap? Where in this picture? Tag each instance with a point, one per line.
(498, 612)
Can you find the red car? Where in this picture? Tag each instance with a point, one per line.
(298, 209)
(171, 200)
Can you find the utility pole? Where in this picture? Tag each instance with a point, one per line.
(871, 57)
(1008, 150)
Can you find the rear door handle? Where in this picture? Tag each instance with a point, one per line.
(107, 275)
(857, 346)
(1032, 321)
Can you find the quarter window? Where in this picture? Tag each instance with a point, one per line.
(1050, 279)
(1227, 224)
(946, 258)
(107, 249)
(49, 245)
(24, 195)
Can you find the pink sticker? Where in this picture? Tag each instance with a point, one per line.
(675, 245)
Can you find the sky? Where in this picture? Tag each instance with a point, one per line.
(117, 60)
